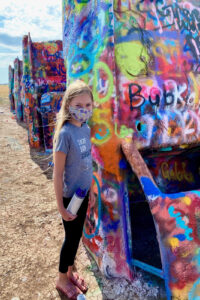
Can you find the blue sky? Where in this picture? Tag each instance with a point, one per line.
(42, 18)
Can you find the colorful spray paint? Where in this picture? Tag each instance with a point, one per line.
(11, 88)
(177, 224)
(49, 106)
(141, 59)
(88, 45)
(17, 89)
(43, 72)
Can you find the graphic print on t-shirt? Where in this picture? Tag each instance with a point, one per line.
(85, 154)
(82, 144)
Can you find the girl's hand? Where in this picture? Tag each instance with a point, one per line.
(67, 216)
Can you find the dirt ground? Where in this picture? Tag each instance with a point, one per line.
(31, 232)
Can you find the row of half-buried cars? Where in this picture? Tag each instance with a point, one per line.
(36, 87)
(141, 59)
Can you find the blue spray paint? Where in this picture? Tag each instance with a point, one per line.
(152, 191)
(99, 137)
(180, 223)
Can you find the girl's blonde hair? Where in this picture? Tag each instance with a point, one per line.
(74, 89)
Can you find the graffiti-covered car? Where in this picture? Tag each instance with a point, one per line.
(141, 59)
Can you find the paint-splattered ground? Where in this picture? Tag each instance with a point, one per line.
(31, 231)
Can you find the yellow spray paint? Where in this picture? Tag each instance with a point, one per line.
(104, 67)
(174, 243)
(124, 131)
(196, 90)
(131, 58)
(186, 200)
(99, 118)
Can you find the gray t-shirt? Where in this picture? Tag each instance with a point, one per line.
(75, 142)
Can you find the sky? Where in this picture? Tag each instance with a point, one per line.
(42, 18)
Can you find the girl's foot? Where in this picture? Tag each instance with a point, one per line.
(68, 289)
(78, 281)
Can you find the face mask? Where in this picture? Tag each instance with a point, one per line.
(80, 114)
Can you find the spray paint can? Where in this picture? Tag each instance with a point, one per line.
(76, 201)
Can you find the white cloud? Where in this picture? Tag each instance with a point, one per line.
(42, 18)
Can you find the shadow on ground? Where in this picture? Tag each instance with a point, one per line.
(44, 161)
(39, 156)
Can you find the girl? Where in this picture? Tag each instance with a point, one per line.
(72, 170)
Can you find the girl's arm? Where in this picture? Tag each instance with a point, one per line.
(59, 165)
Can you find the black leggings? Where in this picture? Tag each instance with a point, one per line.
(73, 233)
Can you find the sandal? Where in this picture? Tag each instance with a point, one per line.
(68, 292)
(79, 282)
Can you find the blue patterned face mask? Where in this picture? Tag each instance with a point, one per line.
(80, 114)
